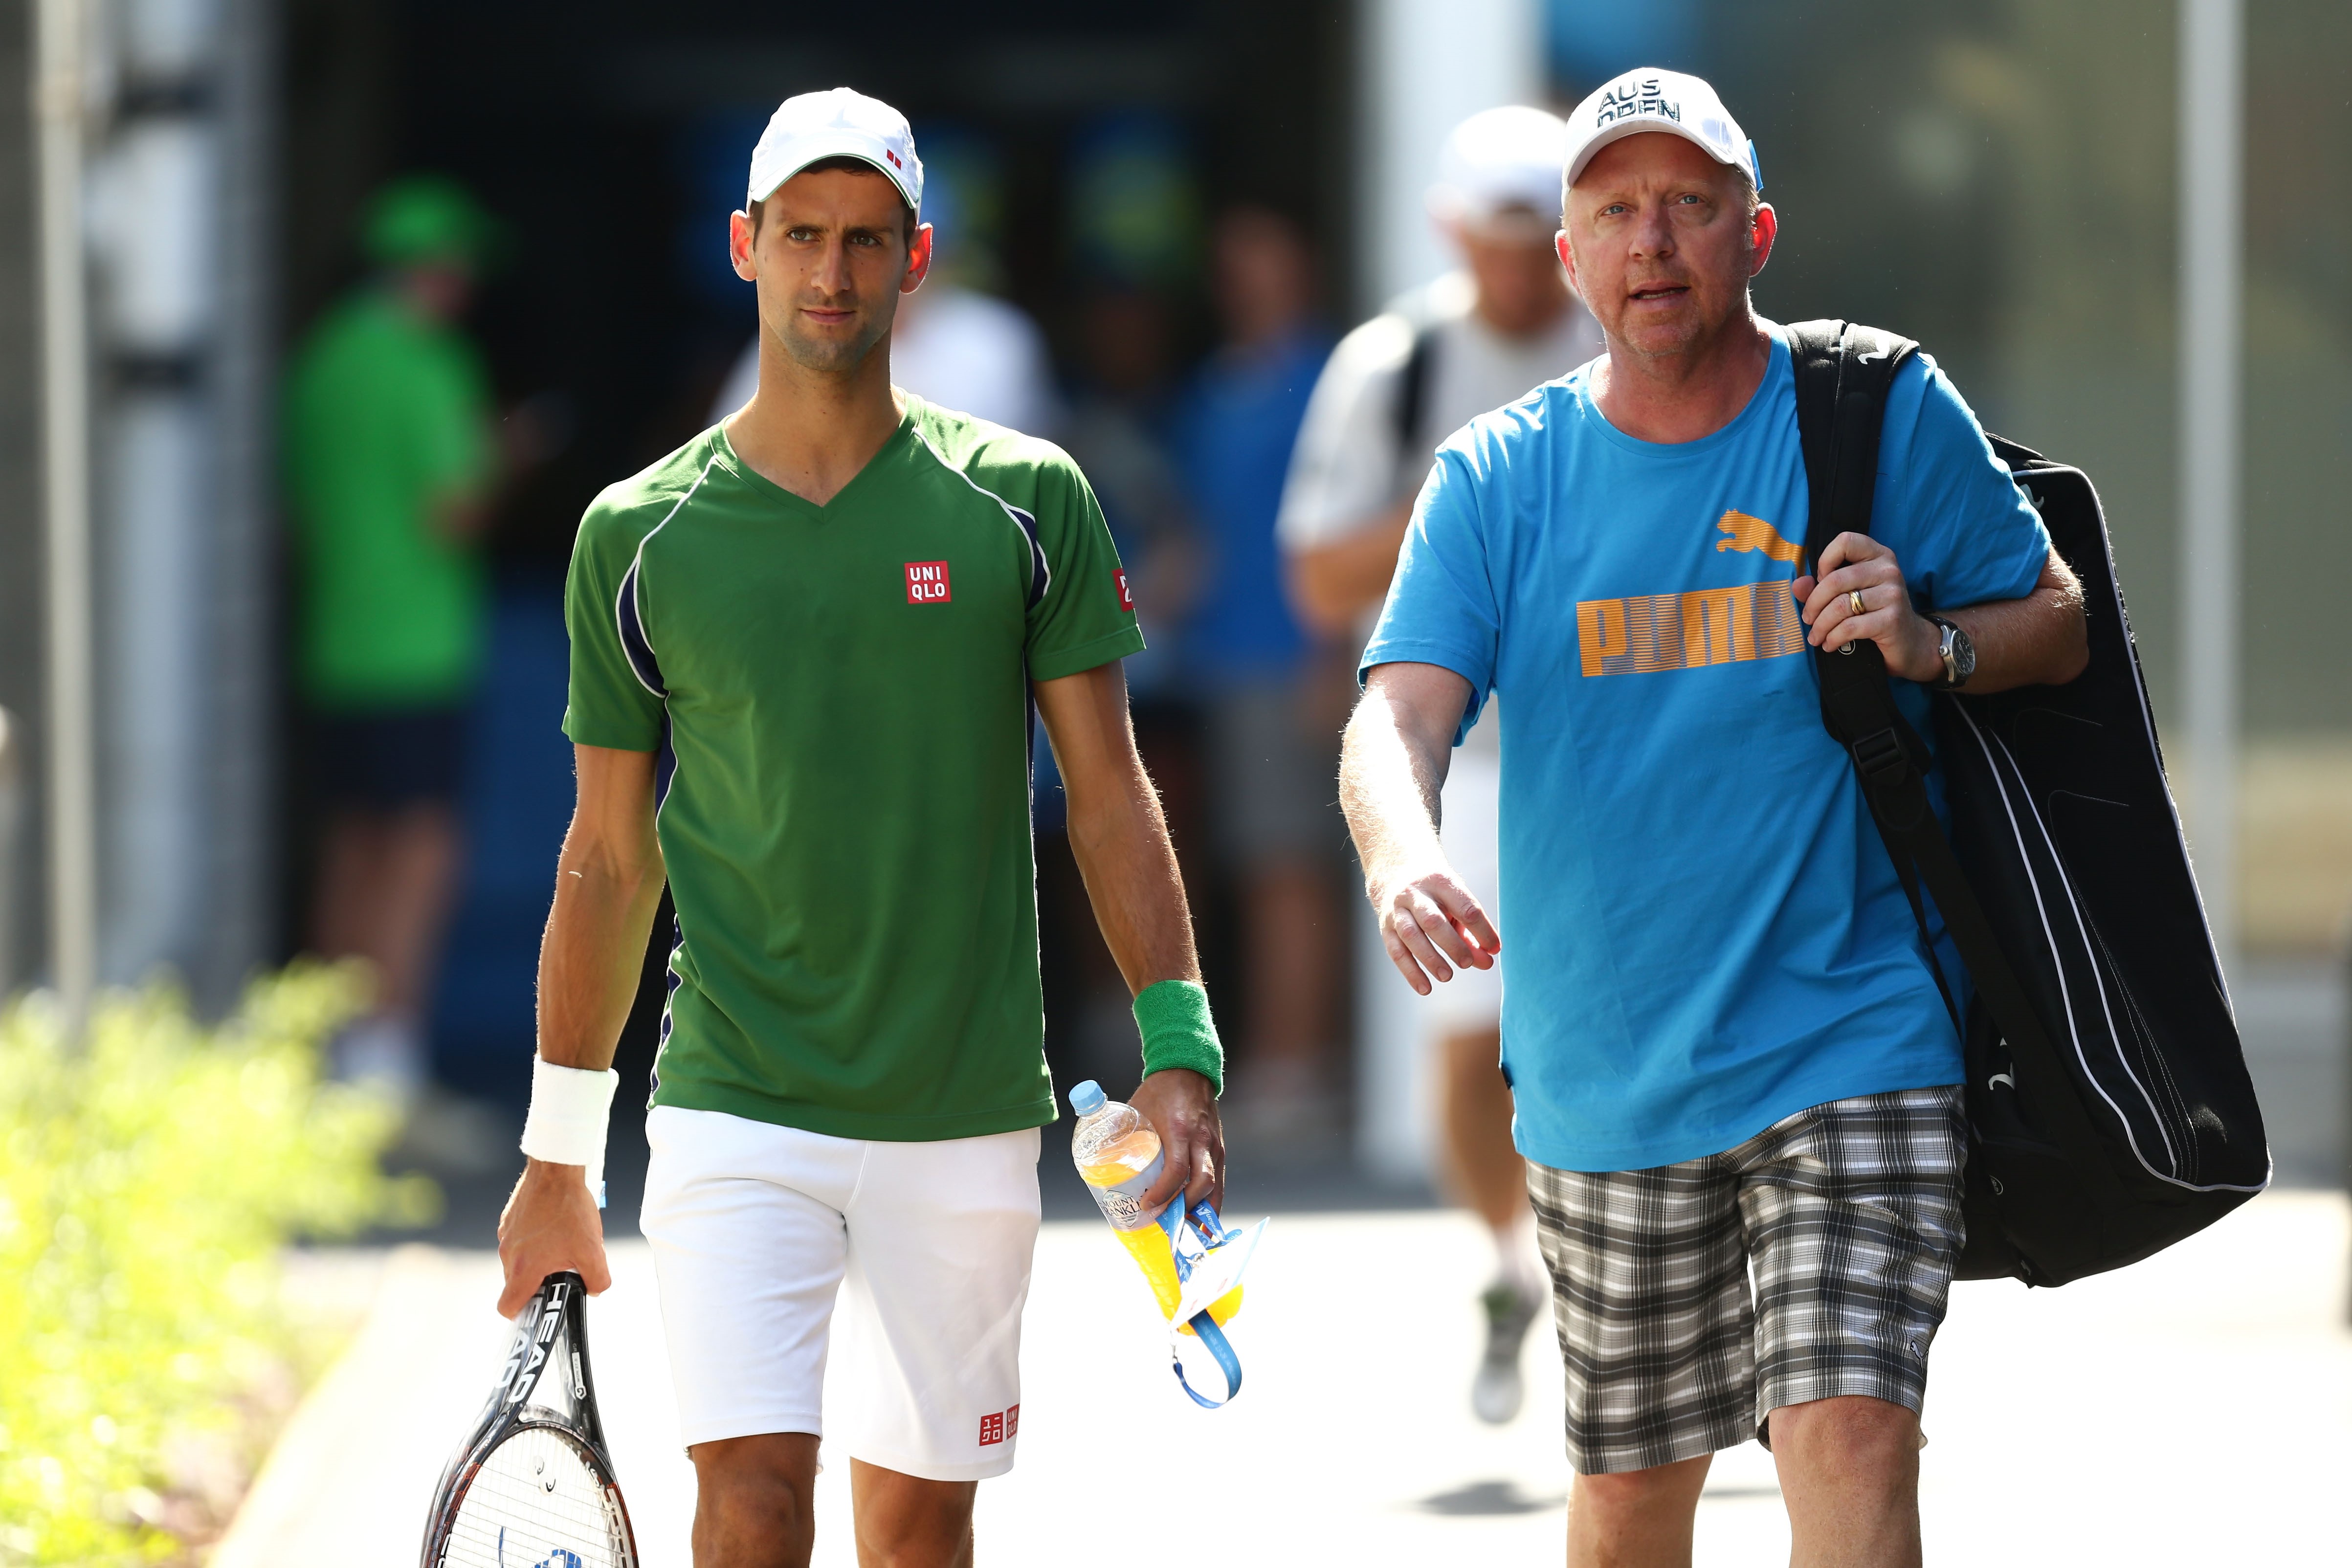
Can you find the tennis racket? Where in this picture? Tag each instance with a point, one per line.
(532, 1486)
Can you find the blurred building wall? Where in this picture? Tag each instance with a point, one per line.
(20, 493)
(1424, 66)
(177, 183)
(1997, 179)
(179, 200)
(338, 64)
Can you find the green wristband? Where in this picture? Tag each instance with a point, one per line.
(1173, 1016)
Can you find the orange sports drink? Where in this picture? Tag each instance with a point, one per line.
(1118, 1156)
(1183, 1253)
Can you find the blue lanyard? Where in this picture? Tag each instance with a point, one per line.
(1214, 1233)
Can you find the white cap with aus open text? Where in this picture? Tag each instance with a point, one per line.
(840, 122)
(1653, 99)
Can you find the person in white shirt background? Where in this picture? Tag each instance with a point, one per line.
(1471, 340)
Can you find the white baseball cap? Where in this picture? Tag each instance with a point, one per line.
(1498, 159)
(1653, 99)
(840, 122)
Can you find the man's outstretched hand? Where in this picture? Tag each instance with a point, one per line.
(1432, 924)
(550, 1223)
(1182, 1109)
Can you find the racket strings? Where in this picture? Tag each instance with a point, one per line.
(537, 1502)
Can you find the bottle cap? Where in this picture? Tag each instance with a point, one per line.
(1088, 1098)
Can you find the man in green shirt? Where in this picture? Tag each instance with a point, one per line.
(834, 612)
(388, 463)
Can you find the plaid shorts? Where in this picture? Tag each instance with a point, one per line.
(1850, 1213)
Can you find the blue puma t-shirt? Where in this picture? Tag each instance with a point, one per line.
(1704, 932)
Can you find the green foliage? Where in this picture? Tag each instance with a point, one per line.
(146, 1186)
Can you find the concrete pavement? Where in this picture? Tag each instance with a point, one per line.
(2196, 1408)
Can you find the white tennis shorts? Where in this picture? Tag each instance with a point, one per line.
(1471, 804)
(756, 1230)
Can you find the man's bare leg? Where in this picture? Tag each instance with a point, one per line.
(753, 1501)
(1476, 1114)
(1639, 1519)
(385, 882)
(1490, 1176)
(344, 914)
(1850, 1475)
(420, 879)
(906, 1522)
(1290, 926)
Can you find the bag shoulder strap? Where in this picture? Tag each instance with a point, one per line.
(1844, 372)
(1413, 404)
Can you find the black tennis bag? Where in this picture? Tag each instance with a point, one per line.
(2110, 1113)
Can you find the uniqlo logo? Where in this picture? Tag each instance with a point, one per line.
(992, 1430)
(927, 583)
(1013, 1422)
(1125, 599)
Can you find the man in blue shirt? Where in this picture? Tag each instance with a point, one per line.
(1725, 1039)
(1268, 768)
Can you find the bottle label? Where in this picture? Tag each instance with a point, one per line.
(1123, 1204)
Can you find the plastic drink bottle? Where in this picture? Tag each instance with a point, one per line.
(1119, 1156)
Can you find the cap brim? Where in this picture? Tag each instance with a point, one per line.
(1458, 203)
(817, 149)
(1639, 126)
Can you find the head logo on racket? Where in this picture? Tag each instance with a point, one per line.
(532, 1486)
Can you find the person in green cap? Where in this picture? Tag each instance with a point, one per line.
(389, 466)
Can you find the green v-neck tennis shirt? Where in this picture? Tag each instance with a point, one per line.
(846, 830)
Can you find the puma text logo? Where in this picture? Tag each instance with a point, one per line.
(1749, 534)
(1688, 630)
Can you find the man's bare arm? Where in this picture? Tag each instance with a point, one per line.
(1120, 842)
(1117, 830)
(1392, 766)
(608, 883)
(1332, 585)
(2041, 640)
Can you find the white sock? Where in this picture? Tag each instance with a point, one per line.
(388, 1052)
(1517, 1260)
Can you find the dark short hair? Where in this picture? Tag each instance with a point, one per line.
(841, 166)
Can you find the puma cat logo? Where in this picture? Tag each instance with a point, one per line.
(1749, 534)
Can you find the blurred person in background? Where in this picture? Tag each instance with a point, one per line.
(390, 464)
(1474, 339)
(1270, 767)
(1114, 427)
(1115, 424)
(956, 343)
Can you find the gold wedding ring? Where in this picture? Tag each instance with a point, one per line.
(1854, 598)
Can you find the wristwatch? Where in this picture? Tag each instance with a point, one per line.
(1958, 653)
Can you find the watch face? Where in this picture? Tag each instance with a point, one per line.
(1964, 655)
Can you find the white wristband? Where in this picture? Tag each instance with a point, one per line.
(569, 1108)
